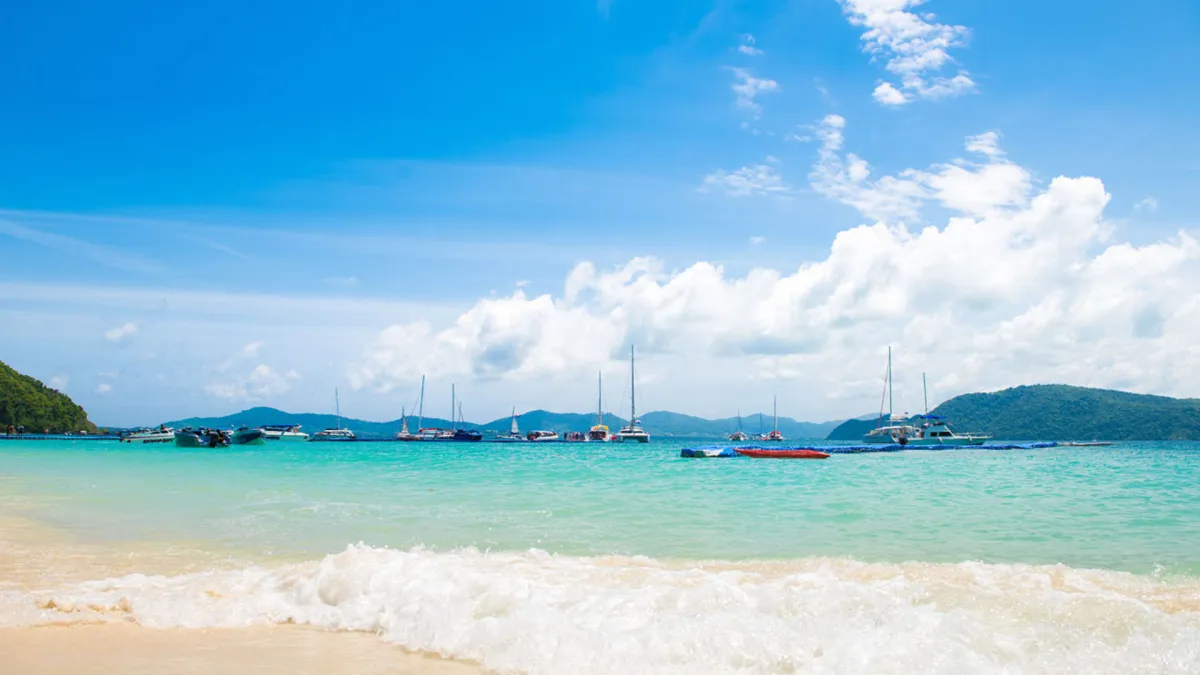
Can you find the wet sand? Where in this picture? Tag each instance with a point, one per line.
(35, 556)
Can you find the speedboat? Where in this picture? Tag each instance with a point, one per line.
(247, 436)
(632, 432)
(159, 435)
(284, 433)
(542, 436)
(201, 438)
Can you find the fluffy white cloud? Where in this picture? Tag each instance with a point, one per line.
(747, 47)
(260, 383)
(103, 389)
(1146, 205)
(973, 188)
(1023, 284)
(250, 349)
(912, 46)
(121, 332)
(757, 240)
(747, 88)
(759, 179)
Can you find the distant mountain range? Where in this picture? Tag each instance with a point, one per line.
(1056, 412)
(662, 423)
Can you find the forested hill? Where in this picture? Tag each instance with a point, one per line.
(1055, 412)
(27, 402)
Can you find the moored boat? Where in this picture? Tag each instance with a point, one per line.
(542, 436)
(160, 435)
(917, 430)
(282, 432)
(201, 438)
(781, 453)
(338, 433)
(247, 436)
(404, 434)
(514, 432)
(739, 435)
(632, 432)
(599, 430)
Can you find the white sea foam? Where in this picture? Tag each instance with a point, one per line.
(539, 613)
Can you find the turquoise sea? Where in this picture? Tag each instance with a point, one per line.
(616, 558)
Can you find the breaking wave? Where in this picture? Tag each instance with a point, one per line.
(536, 613)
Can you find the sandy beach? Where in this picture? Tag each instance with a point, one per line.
(34, 556)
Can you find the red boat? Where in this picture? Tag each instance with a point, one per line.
(762, 453)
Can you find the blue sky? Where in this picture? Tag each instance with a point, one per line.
(301, 177)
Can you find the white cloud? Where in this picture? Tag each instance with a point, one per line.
(747, 47)
(250, 349)
(914, 47)
(121, 332)
(756, 240)
(747, 88)
(972, 188)
(261, 383)
(1146, 205)
(759, 179)
(1022, 285)
(58, 382)
(103, 389)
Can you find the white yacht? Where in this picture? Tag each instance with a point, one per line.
(159, 435)
(338, 433)
(283, 433)
(918, 430)
(633, 432)
(542, 436)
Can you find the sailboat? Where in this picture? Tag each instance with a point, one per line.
(633, 431)
(338, 433)
(774, 436)
(514, 433)
(463, 434)
(739, 435)
(599, 431)
(404, 434)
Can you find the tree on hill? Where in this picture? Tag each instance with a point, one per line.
(26, 402)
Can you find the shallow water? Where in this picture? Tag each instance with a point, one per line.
(615, 558)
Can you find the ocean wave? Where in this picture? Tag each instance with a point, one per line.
(534, 612)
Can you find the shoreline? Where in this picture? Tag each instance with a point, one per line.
(35, 556)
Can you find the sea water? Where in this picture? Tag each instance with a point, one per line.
(609, 558)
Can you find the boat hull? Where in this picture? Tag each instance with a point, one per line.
(767, 453)
(633, 438)
(161, 437)
(248, 437)
(285, 438)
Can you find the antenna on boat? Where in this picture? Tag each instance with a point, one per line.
(925, 389)
(632, 390)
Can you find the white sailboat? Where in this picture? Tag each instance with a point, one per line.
(739, 435)
(514, 432)
(404, 434)
(599, 431)
(338, 433)
(920, 430)
(633, 432)
(774, 436)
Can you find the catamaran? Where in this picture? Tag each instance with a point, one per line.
(599, 431)
(918, 430)
(337, 433)
(633, 431)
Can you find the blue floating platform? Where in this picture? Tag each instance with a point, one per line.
(731, 450)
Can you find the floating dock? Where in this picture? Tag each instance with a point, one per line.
(732, 450)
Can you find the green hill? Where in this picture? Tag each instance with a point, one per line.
(27, 402)
(1056, 412)
(659, 424)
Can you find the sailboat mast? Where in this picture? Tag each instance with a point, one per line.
(337, 406)
(775, 413)
(421, 404)
(599, 397)
(925, 389)
(632, 390)
(453, 418)
(889, 382)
